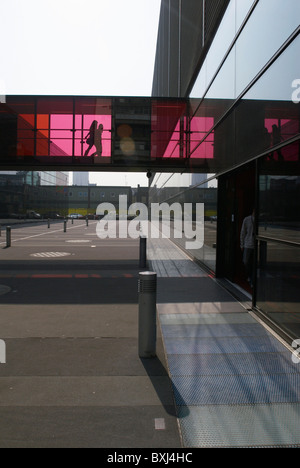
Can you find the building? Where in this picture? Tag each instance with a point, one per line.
(80, 178)
(54, 178)
(22, 191)
(84, 200)
(237, 63)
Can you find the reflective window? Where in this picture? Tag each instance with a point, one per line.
(223, 86)
(222, 41)
(269, 26)
(276, 83)
(279, 195)
(267, 116)
(279, 238)
(234, 16)
(278, 284)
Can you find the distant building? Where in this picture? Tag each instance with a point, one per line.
(54, 178)
(81, 178)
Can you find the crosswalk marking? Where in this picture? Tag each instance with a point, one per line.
(50, 254)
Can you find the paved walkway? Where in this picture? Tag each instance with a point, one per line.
(234, 383)
(73, 376)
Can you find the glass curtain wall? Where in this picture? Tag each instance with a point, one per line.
(245, 107)
(278, 265)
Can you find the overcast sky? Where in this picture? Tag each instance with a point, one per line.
(78, 47)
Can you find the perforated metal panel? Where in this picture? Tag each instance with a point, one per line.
(245, 344)
(228, 364)
(234, 384)
(240, 426)
(205, 319)
(236, 389)
(213, 331)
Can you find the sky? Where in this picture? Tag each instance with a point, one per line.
(79, 47)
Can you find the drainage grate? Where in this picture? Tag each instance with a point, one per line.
(50, 254)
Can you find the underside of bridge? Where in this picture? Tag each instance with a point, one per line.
(94, 133)
(127, 133)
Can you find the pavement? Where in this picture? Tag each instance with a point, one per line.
(73, 377)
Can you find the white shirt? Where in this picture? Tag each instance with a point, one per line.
(247, 233)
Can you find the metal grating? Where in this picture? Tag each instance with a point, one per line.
(213, 331)
(246, 344)
(240, 426)
(231, 364)
(236, 389)
(234, 383)
(205, 319)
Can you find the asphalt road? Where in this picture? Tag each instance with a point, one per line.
(69, 319)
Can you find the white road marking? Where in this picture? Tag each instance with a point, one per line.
(160, 424)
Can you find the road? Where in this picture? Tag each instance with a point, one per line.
(69, 318)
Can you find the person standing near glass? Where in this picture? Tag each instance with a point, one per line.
(247, 245)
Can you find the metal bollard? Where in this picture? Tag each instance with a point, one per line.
(8, 236)
(48, 223)
(65, 225)
(72, 220)
(147, 314)
(143, 251)
(87, 221)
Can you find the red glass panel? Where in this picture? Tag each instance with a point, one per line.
(199, 126)
(168, 125)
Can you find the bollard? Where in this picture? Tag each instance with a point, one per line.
(72, 220)
(65, 225)
(0, 230)
(87, 221)
(48, 223)
(8, 236)
(143, 251)
(147, 314)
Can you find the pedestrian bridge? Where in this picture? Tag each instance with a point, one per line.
(76, 133)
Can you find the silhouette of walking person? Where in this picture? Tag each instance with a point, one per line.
(90, 137)
(98, 140)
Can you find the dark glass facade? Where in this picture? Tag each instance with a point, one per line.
(244, 136)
